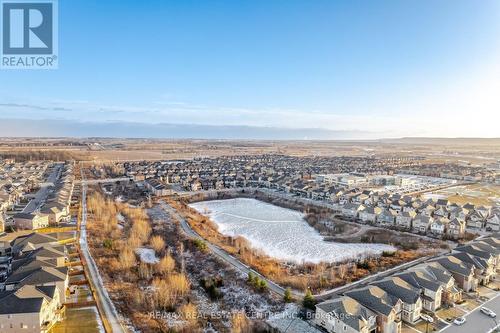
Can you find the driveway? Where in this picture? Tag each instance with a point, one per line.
(477, 322)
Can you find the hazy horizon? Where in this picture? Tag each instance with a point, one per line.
(46, 128)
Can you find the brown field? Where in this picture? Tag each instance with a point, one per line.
(478, 151)
(477, 194)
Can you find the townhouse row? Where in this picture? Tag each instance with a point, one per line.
(50, 205)
(402, 298)
(33, 283)
(436, 218)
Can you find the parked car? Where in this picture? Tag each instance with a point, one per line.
(488, 312)
(427, 318)
(459, 321)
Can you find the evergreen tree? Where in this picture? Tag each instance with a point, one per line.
(288, 295)
(309, 302)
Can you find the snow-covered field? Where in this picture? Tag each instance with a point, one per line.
(147, 255)
(281, 233)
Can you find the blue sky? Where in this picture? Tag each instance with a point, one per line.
(391, 68)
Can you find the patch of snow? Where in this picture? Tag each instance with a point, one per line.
(279, 232)
(120, 218)
(289, 321)
(433, 196)
(147, 255)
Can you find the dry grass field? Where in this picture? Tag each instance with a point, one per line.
(477, 194)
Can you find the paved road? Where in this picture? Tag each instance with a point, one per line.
(223, 254)
(477, 322)
(104, 303)
(103, 181)
(44, 191)
(370, 279)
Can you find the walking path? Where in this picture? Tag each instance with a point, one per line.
(110, 317)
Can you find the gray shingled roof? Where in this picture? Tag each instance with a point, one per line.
(27, 299)
(374, 299)
(399, 288)
(349, 311)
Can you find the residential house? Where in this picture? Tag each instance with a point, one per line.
(404, 219)
(493, 222)
(370, 214)
(476, 220)
(352, 210)
(462, 272)
(422, 223)
(55, 212)
(456, 229)
(33, 309)
(345, 315)
(483, 270)
(483, 211)
(438, 226)
(459, 213)
(43, 276)
(32, 242)
(431, 290)
(441, 212)
(409, 295)
(451, 294)
(31, 221)
(386, 306)
(386, 217)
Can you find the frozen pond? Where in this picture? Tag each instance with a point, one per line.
(281, 233)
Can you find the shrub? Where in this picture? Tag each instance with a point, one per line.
(108, 243)
(157, 243)
(200, 245)
(210, 285)
(262, 285)
(127, 258)
(363, 265)
(189, 313)
(388, 254)
(309, 302)
(409, 246)
(166, 265)
(288, 296)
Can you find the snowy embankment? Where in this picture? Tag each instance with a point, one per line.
(279, 232)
